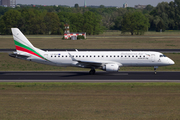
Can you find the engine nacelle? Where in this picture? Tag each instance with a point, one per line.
(111, 67)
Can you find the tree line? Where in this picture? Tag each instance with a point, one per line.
(34, 21)
(51, 19)
(165, 16)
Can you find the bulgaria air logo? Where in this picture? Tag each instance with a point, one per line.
(148, 55)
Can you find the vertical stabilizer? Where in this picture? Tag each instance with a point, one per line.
(20, 38)
(23, 45)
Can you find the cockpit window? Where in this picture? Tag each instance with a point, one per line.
(162, 56)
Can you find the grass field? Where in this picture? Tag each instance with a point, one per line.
(89, 101)
(99, 42)
(12, 64)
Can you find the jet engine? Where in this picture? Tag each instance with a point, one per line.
(111, 67)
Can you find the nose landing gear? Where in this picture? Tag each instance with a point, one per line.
(155, 67)
(155, 72)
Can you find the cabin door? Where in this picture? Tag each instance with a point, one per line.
(153, 57)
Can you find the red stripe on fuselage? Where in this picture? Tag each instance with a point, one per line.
(28, 51)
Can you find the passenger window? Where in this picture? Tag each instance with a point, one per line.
(107, 56)
(110, 56)
(62, 56)
(94, 56)
(87, 56)
(79, 56)
(118, 56)
(114, 56)
(58, 56)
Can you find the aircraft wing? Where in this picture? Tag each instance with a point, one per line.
(95, 64)
(91, 63)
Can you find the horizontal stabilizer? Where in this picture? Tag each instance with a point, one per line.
(15, 55)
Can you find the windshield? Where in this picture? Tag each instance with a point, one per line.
(162, 56)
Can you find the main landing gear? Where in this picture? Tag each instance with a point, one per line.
(92, 71)
(155, 67)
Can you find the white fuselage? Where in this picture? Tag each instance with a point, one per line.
(122, 58)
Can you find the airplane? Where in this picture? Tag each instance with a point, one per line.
(109, 61)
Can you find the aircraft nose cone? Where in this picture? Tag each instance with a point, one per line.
(171, 62)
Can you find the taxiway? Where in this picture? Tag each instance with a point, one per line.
(85, 77)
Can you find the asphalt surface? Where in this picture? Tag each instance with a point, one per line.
(158, 50)
(85, 77)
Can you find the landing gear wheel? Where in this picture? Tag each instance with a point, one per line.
(92, 71)
(155, 71)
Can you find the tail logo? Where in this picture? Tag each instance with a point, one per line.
(27, 49)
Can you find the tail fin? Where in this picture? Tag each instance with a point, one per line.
(23, 45)
(20, 40)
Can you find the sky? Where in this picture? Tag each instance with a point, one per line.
(118, 3)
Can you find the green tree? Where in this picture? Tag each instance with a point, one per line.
(32, 21)
(52, 23)
(76, 22)
(76, 5)
(118, 22)
(134, 22)
(160, 26)
(149, 7)
(101, 6)
(3, 10)
(168, 13)
(177, 2)
(177, 13)
(10, 19)
(91, 24)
